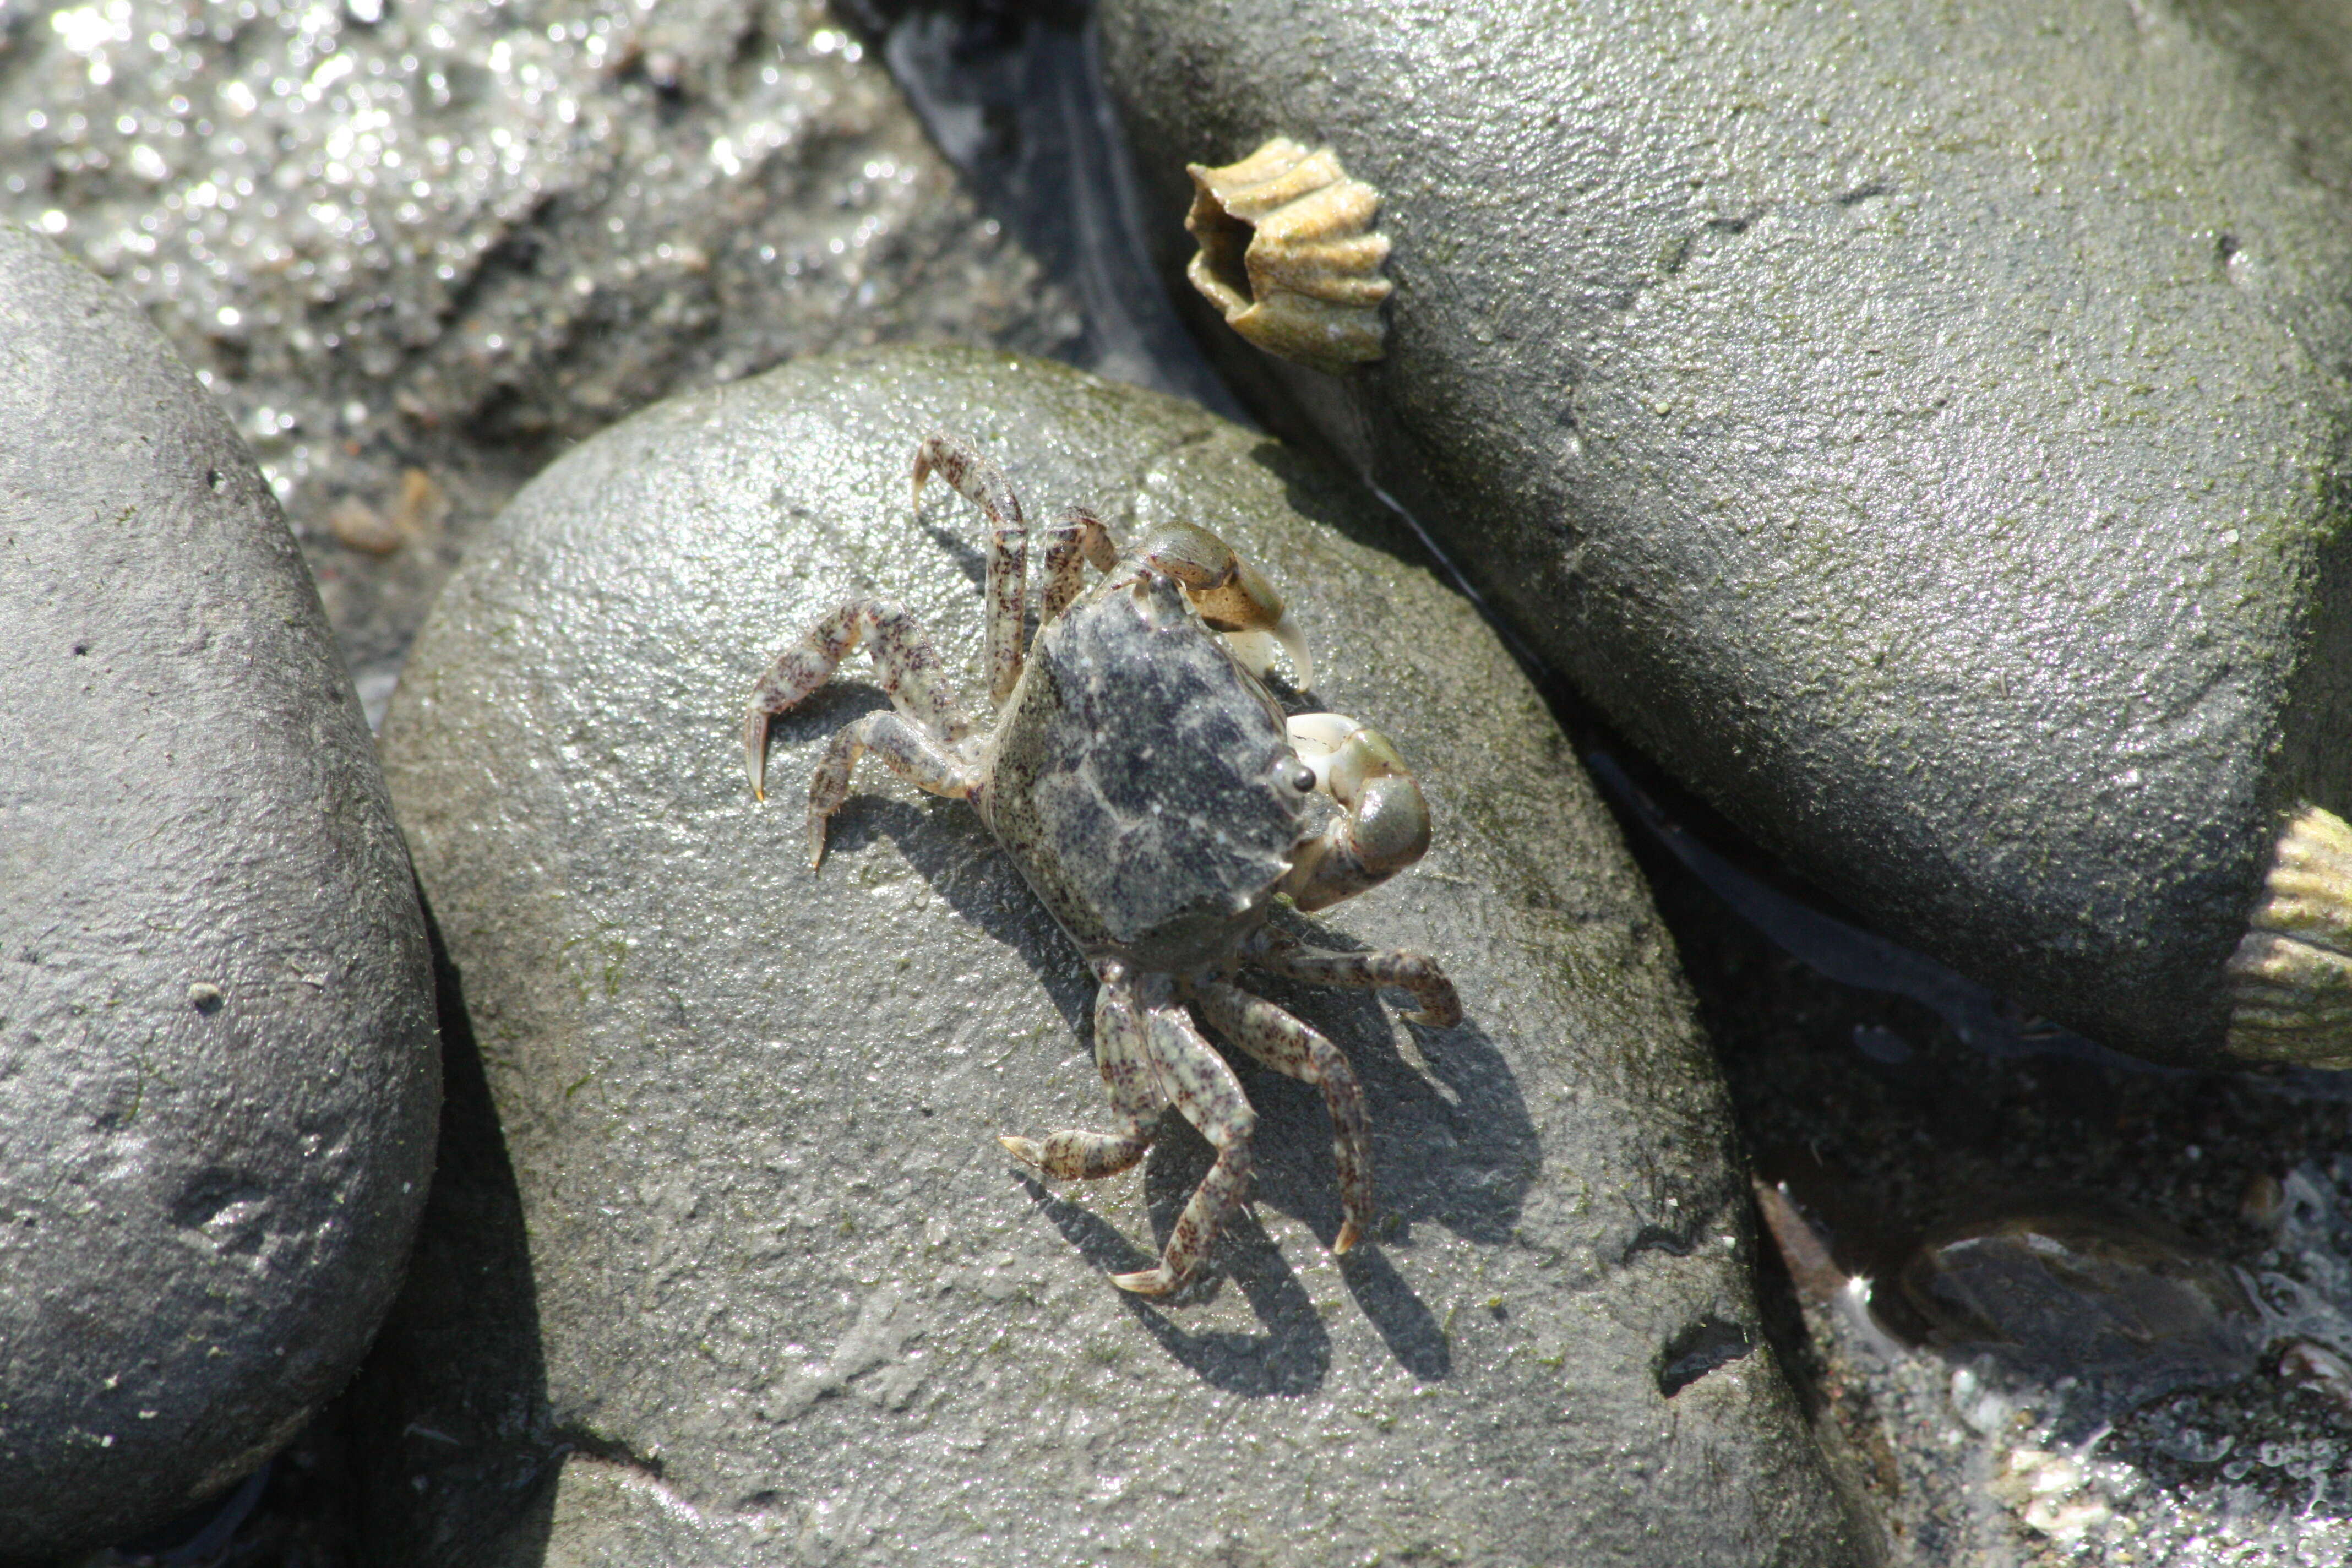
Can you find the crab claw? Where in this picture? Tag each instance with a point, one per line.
(816, 821)
(1386, 824)
(755, 751)
(1232, 596)
(1285, 631)
(1255, 650)
(1147, 1281)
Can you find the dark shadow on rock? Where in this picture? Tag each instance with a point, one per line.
(959, 543)
(207, 1533)
(944, 842)
(1405, 1323)
(1327, 492)
(1010, 94)
(848, 697)
(451, 1435)
(1290, 1359)
(1454, 1145)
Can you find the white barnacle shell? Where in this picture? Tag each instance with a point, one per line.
(1290, 254)
(2291, 978)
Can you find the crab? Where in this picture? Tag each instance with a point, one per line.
(1152, 792)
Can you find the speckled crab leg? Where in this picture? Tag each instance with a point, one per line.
(1122, 1054)
(913, 755)
(1398, 968)
(1289, 1046)
(981, 482)
(1080, 535)
(1204, 1088)
(908, 666)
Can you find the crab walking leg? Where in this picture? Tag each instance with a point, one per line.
(981, 482)
(910, 670)
(913, 755)
(1204, 1088)
(1290, 1047)
(1122, 1053)
(1080, 535)
(1398, 968)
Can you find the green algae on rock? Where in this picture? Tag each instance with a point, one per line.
(788, 1288)
(1927, 434)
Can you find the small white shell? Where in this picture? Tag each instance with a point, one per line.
(2291, 978)
(1289, 254)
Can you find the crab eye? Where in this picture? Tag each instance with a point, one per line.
(1303, 781)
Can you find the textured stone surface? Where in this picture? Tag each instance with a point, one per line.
(217, 1075)
(447, 237)
(1924, 427)
(762, 1282)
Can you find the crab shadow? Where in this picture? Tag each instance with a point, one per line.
(1289, 1359)
(971, 560)
(1452, 1144)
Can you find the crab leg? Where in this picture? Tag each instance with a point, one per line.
(1400, 968)
(1122, 1054)
(981, 482)
(1292, 1048)
(1079, 535)
(1232, 596)
(1204, 1088)
(1386, 824)
(909, 667)
(912, 755)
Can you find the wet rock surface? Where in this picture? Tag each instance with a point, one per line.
(2104, 1299)
(2164, 1380)
(218, 1043)
(1926, 435)
(783, 1293)
(417, 249)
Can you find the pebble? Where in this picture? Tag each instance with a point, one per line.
(218, 1040)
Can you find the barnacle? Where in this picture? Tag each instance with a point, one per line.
(2291, 978)
(1290, 254)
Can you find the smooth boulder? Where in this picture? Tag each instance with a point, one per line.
(771, 1286)
(1922, 428)
(218, 1078)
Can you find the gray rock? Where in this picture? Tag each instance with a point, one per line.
(785, 1295)
(451, 239)
(1925, 434)
(217, 1042)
